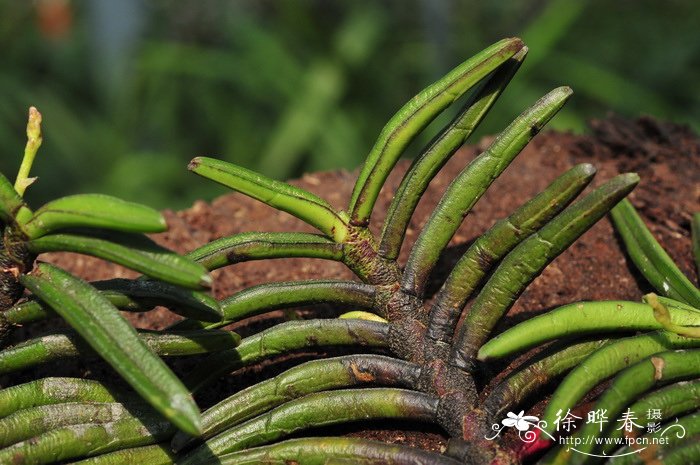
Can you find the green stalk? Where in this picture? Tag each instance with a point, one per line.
(157, 454)
(439, 151)
(136, 252)
(489, 248)
(607, 361)
(287, 337)
(650, 258)
(519, 385)
(327, 451)
(304, 205)
(526, 262)
(259, 246)
(75, 441)
(576, 320)
(58, 346)
(34, 139)
(48, 391)
(414, 116)
(307, 378)
(116, 341)
(317, 410)
(471, 183)
(36, 421)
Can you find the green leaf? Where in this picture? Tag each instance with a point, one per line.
(113, 338)
(471, 183)
(414, 116)
(282, 196)
(263, 245)
(440, 150)
(134, 251)
(94, 211)
(650, 258)
(10, 201)
(147, 293)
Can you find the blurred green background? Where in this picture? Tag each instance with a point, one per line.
(130, 90)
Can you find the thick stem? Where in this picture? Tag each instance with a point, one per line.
(15, 259)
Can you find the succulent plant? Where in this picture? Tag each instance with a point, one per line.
(428, 369)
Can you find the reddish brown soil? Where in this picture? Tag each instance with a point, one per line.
(666, 156)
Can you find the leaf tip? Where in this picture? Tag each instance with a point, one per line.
(194, 163)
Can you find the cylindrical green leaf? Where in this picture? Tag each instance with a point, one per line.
(75, 441)
(273, 296)
(307, 378)
(334, 451)
(414, 116)
(526, 262)
(282, 196)
(94, 211)
(58, 346)
(36, 421)
(471, 183)
(607, 361)
(157, 454)
(258, 246)
(10, 200)
(519, 385)
(133, 251)
(494, 244)
(631, 383)
(580, 319)
(288, 337)
(650, 258)
(113, 338)
(148, 294)
(48, 391)
(318, 410)
(440, 150)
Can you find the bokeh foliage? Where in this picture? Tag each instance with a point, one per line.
(289, 86)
